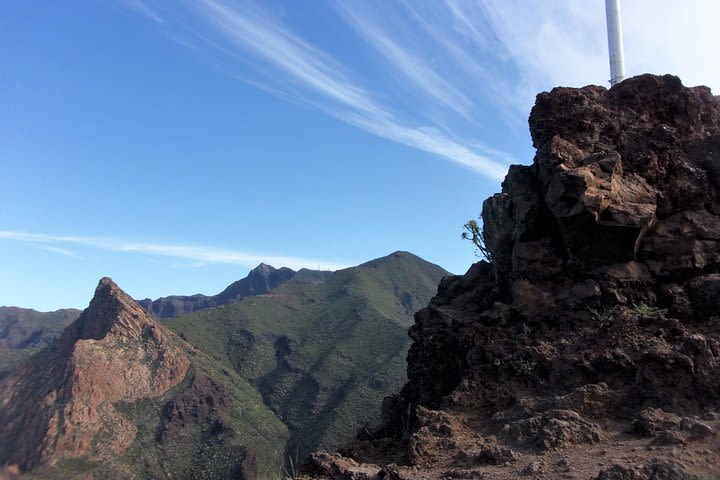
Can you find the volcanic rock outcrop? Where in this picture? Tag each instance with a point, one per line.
(60, 403)
(589, 347)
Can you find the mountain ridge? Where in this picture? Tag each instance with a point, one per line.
(313, 348)
(259, 280)
(253, 382)
(26, 331)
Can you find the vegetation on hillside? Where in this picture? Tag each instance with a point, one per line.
(324, 355)
(271, 377)
(24, 332)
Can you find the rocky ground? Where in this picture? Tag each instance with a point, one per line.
(589, 347)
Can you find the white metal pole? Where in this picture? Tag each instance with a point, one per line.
(615, 44)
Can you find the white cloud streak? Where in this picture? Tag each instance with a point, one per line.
(459, 56)
(564, 43)
(467, 24)
(430, 140)
(251, 30)
(199, 254)
(413, 66)
(326, 83)
(142, 8)
(60, 251)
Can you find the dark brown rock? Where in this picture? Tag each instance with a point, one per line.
(553, 429)
(599, 305)
(704, 294)
(204, 402)
(600, 220)
(337, 467)
(652, 421)
(655, 470)
(620, 472)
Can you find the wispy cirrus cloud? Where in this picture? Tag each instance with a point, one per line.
(293, 67)
(200, 255)
(252, 30)
(564, 43)
(432, 140)
(143, 9)
(60, 251)
(445, 71)
(411, 63)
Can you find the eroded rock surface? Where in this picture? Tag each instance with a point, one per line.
(204, 401)
(590, 346)
(60, 403)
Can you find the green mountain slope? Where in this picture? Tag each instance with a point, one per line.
(24, 331)
(322, 355)
(133, 400)
(267, 379)
(209, 447)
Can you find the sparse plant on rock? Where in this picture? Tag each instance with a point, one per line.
(523, 367)
(644, 310)
(605, 315)
(474, 233)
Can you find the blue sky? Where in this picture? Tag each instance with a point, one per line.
(174, 145)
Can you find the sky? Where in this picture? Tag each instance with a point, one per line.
(175, 145)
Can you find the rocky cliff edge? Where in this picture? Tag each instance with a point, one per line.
(589, 347)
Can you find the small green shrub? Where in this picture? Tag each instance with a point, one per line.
(474, 233)
(523, 367)
(644, 310)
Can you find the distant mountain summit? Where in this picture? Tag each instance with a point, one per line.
(260, 280)
(226, 392)
(321, 354)
(61, 403)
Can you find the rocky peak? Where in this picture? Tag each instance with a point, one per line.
(261, 279)
(260, 276)
(268, 273)
(61, 402)
(263, 268)
(595, 330)
(620, 175)
(111, 309)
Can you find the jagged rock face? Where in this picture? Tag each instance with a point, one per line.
(60, 403)
(627, 174)
(599, 313)
(620, 208)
